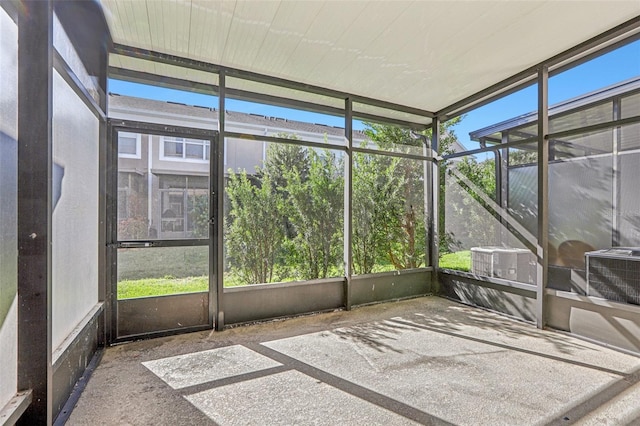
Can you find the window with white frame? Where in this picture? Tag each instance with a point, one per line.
(129, 145)
(184, 149)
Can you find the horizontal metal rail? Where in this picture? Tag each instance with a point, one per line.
(162, 243)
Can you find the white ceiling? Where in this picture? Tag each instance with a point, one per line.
(423, 54)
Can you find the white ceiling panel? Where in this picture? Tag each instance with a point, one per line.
(388, 113)
(285, 35)
(283, 92)
(162, 70)
(355, 45)
(210, 23)
(321, 36)
(249, 28)
(169, 22)
(128, 20)
(425, 54)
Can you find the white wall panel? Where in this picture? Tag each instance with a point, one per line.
(8, 207)
(63, 45)
(75, 214)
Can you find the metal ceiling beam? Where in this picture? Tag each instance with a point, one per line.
(261, 78)
(244, 95)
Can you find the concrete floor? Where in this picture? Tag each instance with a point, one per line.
(420, 361)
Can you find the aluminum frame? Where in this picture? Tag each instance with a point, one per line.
(34, 166)
(35, 156)
(564, 108)
(348, 203)
(542, 273)
(260, 78)
(218, 231)
(115, 126)
(598, 45)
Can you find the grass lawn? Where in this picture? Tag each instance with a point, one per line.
(460, 261)
(128, 289)
(146, 287)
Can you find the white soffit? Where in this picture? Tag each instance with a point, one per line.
(423, 54)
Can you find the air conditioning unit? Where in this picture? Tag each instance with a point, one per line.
(614, 274)
(502, 262)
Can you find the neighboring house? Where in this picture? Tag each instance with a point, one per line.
(593, 175)
(617, 101)
(177, 169)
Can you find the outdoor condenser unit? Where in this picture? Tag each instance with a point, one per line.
(614, 274)
(502, 262)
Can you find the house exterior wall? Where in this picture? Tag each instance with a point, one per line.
(243, 156)
(151, 171)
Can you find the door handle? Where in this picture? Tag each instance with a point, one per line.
(135, 244)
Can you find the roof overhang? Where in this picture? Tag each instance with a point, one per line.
(426, 55)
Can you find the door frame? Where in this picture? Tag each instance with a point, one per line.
(215, 292)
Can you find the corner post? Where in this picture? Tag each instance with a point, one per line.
(217, 257)
(434, 201)
(543, 194)
(348, 200)
(35, 110)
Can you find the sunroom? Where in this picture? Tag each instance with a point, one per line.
(170, 167)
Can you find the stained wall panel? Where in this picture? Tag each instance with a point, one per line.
(75, 211)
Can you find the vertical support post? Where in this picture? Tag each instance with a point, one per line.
(35, 92)
(216, 254)
(499, 235)
(213, 230)
(427, 175)
(102, 230)
(103, 179)
(434, 200)
(502, 195)
(348, 200)
(543, 194)
(111, 202)
(504, 173)
(616, 167)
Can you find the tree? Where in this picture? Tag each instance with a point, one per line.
(198, 208)
(371, 184)
(280, 160)
(290, 213)
(254, 230)
(388, 198)
(388, 202)
(317, 211)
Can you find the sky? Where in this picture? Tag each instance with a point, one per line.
(606, 70)
(611, 68)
